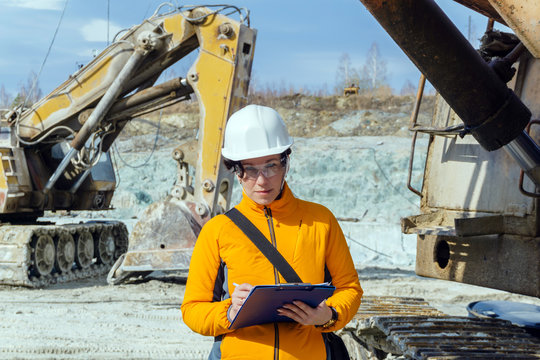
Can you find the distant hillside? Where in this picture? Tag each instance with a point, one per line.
(306, 116)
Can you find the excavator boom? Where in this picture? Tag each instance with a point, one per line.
(60, 144)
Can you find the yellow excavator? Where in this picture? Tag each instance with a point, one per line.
(351, 90)
(54, 155)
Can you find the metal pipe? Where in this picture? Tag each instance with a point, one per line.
(414, 118)
(411, 160)
(132, 104)
(98, 114)
(108, 99)
(60, 170)
(178, 85)
(128, 106)
(79, 182)
(527, 154)
(419, 94)
(516, 52)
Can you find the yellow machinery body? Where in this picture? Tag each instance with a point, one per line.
(352, 90)
(54, 155)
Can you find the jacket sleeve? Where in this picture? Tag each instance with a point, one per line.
(347, 296)
(200, 310)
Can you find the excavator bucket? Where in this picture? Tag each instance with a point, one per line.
(162, 240)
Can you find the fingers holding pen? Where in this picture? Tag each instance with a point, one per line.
(241, 291)
(239, 295)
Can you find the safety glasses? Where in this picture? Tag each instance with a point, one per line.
(268, 170)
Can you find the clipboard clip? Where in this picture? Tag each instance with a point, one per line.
(306, 286)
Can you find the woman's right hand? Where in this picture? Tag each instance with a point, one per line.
(238, 297)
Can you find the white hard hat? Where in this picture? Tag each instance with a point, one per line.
(253, 132)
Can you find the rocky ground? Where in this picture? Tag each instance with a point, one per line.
(141, 320)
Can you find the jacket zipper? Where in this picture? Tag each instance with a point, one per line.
(268, 214)
(276, 341)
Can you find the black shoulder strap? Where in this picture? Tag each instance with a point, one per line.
(262, 243)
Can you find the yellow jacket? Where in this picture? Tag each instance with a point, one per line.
(308, 236)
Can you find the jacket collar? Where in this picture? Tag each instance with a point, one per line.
(284, 206)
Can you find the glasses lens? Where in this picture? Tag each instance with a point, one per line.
(268, 170)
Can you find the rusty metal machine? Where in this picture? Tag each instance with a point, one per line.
(480, 221)
(54, 155)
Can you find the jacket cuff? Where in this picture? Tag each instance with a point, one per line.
(225, 314)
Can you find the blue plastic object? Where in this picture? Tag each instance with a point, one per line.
(520, 314)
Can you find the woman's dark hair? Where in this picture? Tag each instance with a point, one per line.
(237, 167)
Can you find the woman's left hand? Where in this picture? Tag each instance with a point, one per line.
(304, 314)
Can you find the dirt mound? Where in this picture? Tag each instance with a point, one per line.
(305, 115)
(355, 115)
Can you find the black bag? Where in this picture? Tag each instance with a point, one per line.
(336, 349)
(335, 346)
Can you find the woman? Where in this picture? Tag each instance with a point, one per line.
(257, 149)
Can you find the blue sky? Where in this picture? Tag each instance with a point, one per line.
(299, 42)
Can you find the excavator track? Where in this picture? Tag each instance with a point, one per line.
(411, 329)
(43, 254)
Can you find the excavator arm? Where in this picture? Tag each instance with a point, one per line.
(59, 146)
(164, 237)
(90, 104)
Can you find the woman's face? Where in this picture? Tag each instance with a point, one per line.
(262, 178)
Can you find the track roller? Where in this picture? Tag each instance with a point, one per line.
(84, 249)
(43, 255)
(65, 253)
(106, 247)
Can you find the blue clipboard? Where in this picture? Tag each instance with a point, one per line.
(260, 307)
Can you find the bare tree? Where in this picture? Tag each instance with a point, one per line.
(5, 98)
(29, 92)
(346, 74)
(322, 91)
(375, 68)
(408, 88)
(471, 34)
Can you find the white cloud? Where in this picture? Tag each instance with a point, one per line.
(35, 4)
(96, 30)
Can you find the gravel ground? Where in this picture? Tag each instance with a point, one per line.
(90, 319)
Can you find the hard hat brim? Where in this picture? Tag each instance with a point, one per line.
(254, 154)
